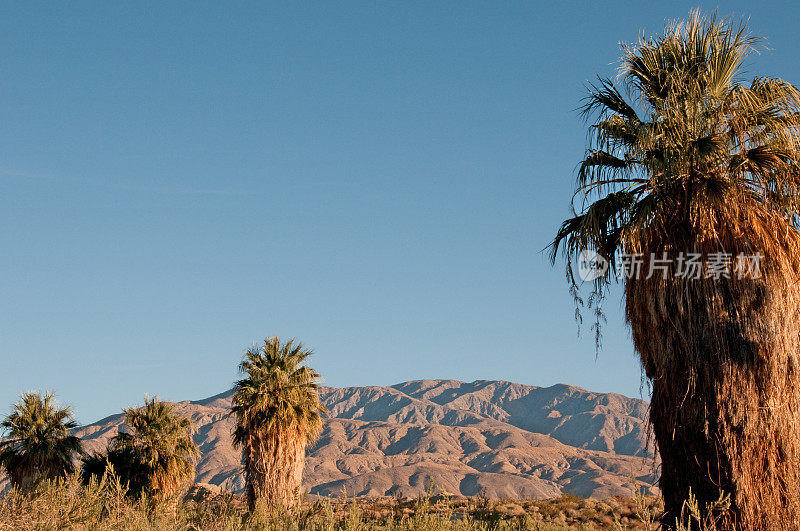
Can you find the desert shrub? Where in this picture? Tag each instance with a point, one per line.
(106, 504)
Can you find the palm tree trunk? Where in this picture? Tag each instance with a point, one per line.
(723, 360)
(274, 469)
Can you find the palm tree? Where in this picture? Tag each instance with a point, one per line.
(155, 456)
(687, 157)
(39, 445)
(278, 414)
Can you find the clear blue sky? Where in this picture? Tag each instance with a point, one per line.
(378, 179)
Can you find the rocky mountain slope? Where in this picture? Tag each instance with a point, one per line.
(490, 438)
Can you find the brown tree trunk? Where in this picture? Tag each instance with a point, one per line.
(722, 358)
(273, 469)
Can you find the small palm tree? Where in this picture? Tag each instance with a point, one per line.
(39, 444)
(688, 158)
(278, 414)
(155, 456)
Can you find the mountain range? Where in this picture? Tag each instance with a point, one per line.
(484, 438)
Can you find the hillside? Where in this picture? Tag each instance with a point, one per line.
(490, 438)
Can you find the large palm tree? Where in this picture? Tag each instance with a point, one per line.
(154, 455)
(39, 444)
(688, 157)
(278, 414)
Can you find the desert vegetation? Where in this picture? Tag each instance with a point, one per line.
(106, 504)
(153, 457)
(150, 461)
(141, 480)
(687, 156)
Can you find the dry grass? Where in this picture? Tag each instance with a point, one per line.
(105, 506)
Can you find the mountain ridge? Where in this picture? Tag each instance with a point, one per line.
(493, 438)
